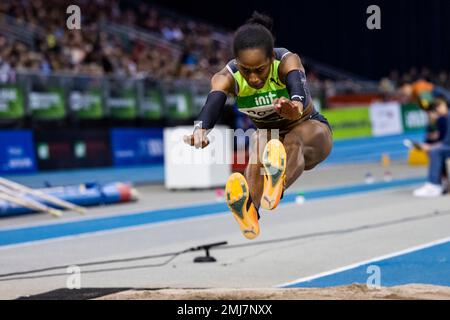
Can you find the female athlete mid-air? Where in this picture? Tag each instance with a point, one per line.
(270, 87)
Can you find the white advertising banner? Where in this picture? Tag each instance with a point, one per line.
(186, 167)
(386, 118)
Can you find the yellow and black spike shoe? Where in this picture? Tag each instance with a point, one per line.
(240, 203)
(274, 163)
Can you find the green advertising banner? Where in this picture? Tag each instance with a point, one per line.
(413, 118)
(349, 123)
(11, 102)
(199, 102)
(122, 104)
(86, 105)
(152, 106)
(180, 104)
(48, 104)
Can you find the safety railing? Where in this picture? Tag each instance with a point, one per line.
(20, 30)
(134, 33)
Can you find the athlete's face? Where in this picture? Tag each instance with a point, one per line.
(254, 65)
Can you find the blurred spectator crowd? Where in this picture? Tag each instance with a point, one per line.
(196, 50)
(396, 86)
(200, 50)
(397, 82)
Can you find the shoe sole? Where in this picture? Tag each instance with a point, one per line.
(237, 198)
(274, 163)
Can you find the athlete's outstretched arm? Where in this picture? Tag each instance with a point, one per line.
(292, 73)
(221, 85)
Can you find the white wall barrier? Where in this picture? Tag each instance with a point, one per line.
(186, 167)
(386, 118)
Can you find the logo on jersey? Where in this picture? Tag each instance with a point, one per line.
(265, 100)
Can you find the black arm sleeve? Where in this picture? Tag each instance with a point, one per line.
(211, 111)
(297, 87)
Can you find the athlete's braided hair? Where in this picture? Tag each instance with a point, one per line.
(255, 33)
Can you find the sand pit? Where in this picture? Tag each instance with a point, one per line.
(352, 292)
